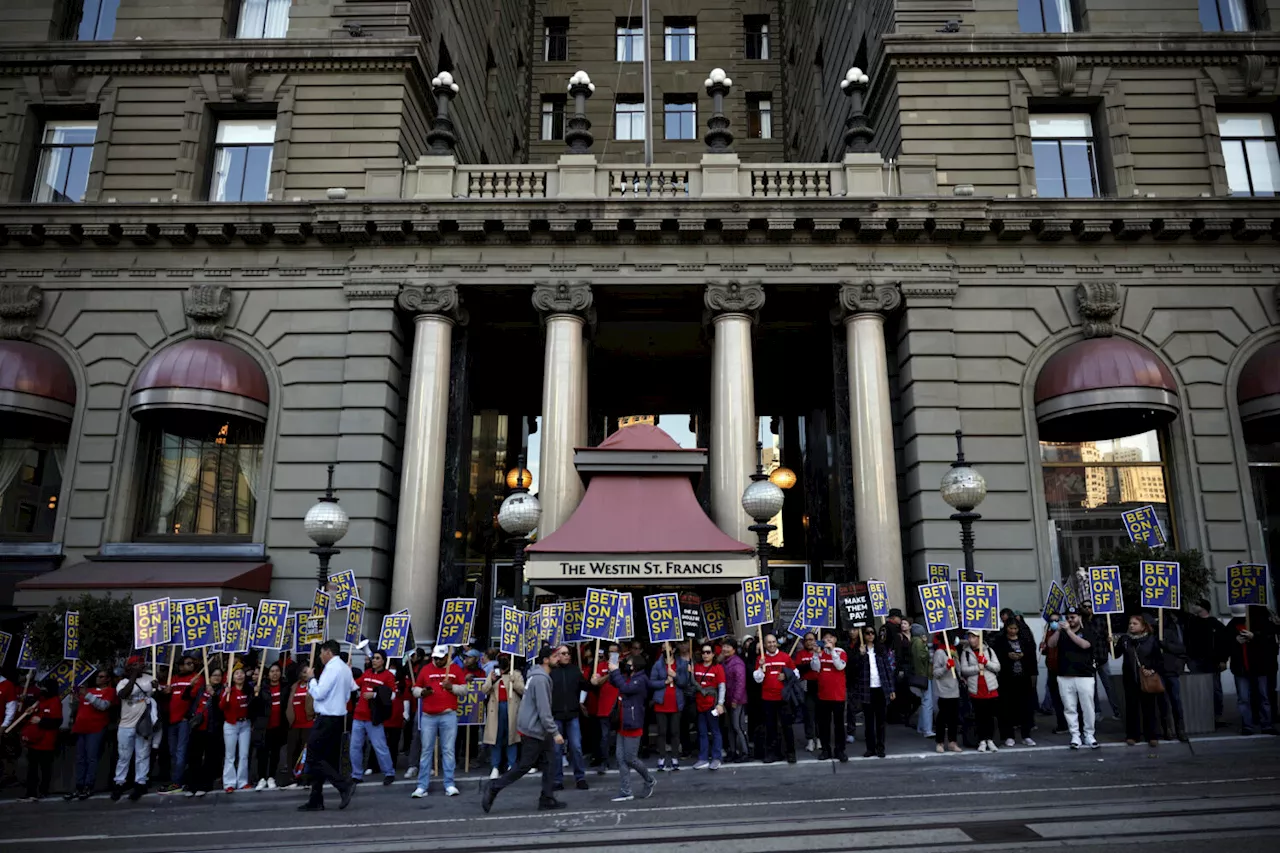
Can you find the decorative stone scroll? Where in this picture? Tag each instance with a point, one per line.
(206, 308)
(562, 297)
(1099, 301)
(734, 297)
(869, 298)
(442, 299)
(19, 307)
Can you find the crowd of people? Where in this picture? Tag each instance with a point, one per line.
(688, 705)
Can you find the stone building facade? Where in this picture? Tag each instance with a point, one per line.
(227, 262)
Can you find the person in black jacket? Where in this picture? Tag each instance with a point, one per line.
(1017, 653)
(205, 749)
(874, 689)
(1253, 663)
(1175, 661)
(1140, 651)
(567, 685)
(1206, 642)
(270, 711)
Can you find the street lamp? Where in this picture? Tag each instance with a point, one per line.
(857, 132)
(762, 500)
(578, 131)
(963, 488)
(718, 137)
(441, 137)
(326, 523)
(519, 513)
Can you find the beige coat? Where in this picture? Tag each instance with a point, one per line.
(515, 689)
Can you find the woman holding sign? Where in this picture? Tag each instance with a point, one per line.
(1143, 663)
(236, 730)
(946, 688)
(503, 689)
(981, 673)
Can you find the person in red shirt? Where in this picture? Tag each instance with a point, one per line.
(708, 685)
(273, 697)
(177, 729)
(393, 725)
(771, 674)
(828, 664)
(606, 697)
(40, 734)
(236, 731)
(300, 715)
(376, 689)
(439, 685)
(93, 711)
(204, 751)
(802, 663)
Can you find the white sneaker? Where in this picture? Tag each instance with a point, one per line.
(1026, 741)
(271, 784)
(1008, 742)
(1093, 744)
(419, 793)
(623, 798)
(982, 746)
(493, 774)
(451, 791)
(369, 772)
(1075, 744)
(991, 746)
(292, 787)
(810, 745)
(702, 765)
(411, 773)
(261, 786)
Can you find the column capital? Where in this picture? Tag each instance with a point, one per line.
(440, 299)
(868, 298)
(563, 297)
(733, 297)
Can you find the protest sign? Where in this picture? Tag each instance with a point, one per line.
(511, 640)
(457, 616)
(237, 625)
(662, 614)
(313, 629)
(691, 613)
(342, 587)
(201, 618)
(320, 603)
(393, 636)
(939, 608)
(355, 620)
(1104, 589)
(1160, 586)
(269, 627)
(470, 703)
(158, 656)
(6, 640)
(1246, 584)
(495, 614)
(624, 617)
(597, 619)
(574, 610)
(71, 635)
(879, 593)
(175, 620)
(980, 606)
(1142, 526)
(715, 611)
(64, 675)
(530, 635)
(855, 605)
(818, 607)
(1054, 601)
(939, 573)
(26, 658)
(551, 624)
(786, 617)
(151, 623)
(85, 673)
(757, 601)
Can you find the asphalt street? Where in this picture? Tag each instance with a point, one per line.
(1191, 796)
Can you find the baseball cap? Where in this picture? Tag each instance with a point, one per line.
(473, 653)
(1069, 610)
(440, 652)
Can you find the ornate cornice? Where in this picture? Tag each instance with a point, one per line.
(1099, 301)
(869, 298)
(206, 308)
(734, 297)
(562, 297)
(440, 299)
(985, 50)
(19, 307)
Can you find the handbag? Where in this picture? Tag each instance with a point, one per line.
(1150, 681)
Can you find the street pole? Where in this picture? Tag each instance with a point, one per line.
(648, 89)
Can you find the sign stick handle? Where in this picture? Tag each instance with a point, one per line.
(1160, 617)
(23, 716)
(595, 661)
(1248, 619)
(760, 635)
(666, 650)
(262, 668)
(204, 654)
(231, 666)
(27, 685)
(155, 663)
(795, 646)
(1111, 640)
(466, 767)
(172, 655)
(947, 644)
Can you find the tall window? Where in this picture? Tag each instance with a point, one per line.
(555, 39)
(1225, 16)
(1066, 165)
(200, 479)
(1249, 151)
(681, 39)
(30, 481)
(1264, 473)
(630, 40)
(242, 160)
(263, 19)
(1046, 16)
(759, 117)
(91, 20)
(552, 117)
(681, 116)
(756, 29)
(628, 117)
(1088, 484)
(66, 149)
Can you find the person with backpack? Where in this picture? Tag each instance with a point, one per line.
(669, 681)
(376, 689)
(133, 737)
(204, 750)
(539, 735)
(1143, 663)
(874, 691)
(920, 679)
(632, 684)
(735, 701)
(1252, 647)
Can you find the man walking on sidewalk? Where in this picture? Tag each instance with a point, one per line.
(329, 694)
(539, 736)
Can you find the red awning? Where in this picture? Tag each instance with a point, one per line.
(1103, 388)
(34, 380)
(202, 375)
(145, 580)
(1258, 391)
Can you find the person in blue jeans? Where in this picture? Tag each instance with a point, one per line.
(708, 683)
(503, 689)
(89, 728)
(439, 685)
(567, 685)
(1253, 664)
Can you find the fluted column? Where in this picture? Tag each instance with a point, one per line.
(733, 401)
(565, 306)
(875, 485)
(415, 573)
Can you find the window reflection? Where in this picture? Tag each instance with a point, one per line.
(200, 479)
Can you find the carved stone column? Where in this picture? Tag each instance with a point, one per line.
(565, 306)
(875, 486)
(732, 305)
(415, 574)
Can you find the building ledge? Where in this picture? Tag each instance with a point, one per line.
(986, 49)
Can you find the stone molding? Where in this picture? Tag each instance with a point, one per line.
(440, 299)
(563, 297)
(987, 50)
(19, 307)
(869, 298)
(734, 297)
(1099, 302)
(206, 307)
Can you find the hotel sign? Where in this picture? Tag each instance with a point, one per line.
(640, 568)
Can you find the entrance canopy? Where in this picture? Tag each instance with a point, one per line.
(639, 522)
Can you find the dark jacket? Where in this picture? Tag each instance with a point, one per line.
(1002, 647)
(566, 685)
(1173, 647)
(860, 691)
(1206, 641)
(1143, 652)
(633, 696)
(658, 681)
(1258, 656)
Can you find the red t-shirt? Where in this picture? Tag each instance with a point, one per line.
(8, 693)
(235, 704)
(707, 676)
(831, 681)
(299, 701)
(399, 703)
(276, 718)
(37, 736)
(669, 703)
(592, 693)
(802, 664)
(178, 706)
(502, 690)
(89, 720)
(441, 699)
(368, 682)
(608, 693)
(984, 692)
(773, 666)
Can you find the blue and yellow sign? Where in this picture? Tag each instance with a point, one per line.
(513, 628)
(1142, 526)
(355, 621)
(151, 623)
(1246, 584)
(200, 621)
(457, 615)
(293, 631)
(1104, 589)
(598, 618)
(269, 628)
(320, 604)
(662, 613)
(6, 640)
(939, 573)
(551, 624)
(757, 601)
(574, 610)
(878, 591)
(64, 675)
(530, 635)
(71, 635)
(393, 638)
(939, 608)
(1054, 601)
(715, 612)
(624, 618)
(237, 625)
(342, 588)
(470, 704)
(1160, 584)
(980, 606)
(818, 606)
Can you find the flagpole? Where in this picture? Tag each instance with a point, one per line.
(648, 88)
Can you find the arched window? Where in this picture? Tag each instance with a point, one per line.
(1258, 395)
